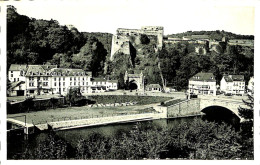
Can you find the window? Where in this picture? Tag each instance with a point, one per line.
(63, 83)
(54, 78)
(79, 78)
(63, 89)
(83, 83)
(78, 83)
(55, 84)
(74, 78)
(70, 78)
(59, 78)
(63, 78)
(74, 83)
(70, 83)
(82, 78)
(17, 79)
(11, 71)
(12, 75)
(14, 79)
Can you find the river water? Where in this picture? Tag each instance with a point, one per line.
(17, 144)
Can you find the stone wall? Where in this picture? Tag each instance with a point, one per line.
(124, 35)
(35, 105)
(185, 108)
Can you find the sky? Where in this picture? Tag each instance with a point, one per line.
(174, 16)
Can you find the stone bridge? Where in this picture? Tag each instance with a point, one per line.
(229, 104)
(194, 107)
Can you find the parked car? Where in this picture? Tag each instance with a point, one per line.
(228, 94)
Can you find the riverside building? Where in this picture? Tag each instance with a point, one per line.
(49, 79)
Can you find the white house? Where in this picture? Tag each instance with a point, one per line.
(250, 86)
(233, 84)
(154, 88)
(16, 72)
(202, 84)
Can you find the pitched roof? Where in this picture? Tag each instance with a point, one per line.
(69, 72)
(35, 70)
(231, 78)
(237, 77)
(99, 80)
(49, 67)
(153, 86)
(228, 79)
(202, 76)
(17, 67)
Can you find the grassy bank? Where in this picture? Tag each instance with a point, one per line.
(141, 100)
(71, 113)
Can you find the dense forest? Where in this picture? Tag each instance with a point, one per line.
(36, 41)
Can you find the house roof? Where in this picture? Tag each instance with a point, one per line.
(48, 67)
(35, 70)
(202, 76)
(17, 67)
(231, 78)
(153, 86)
(237, 77)
(228, 79)
(99, 80)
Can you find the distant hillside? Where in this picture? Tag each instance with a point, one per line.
(216, 35)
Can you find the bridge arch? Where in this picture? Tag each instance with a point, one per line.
(221, 113)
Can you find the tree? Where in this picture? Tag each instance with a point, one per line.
(74, 97)
(144, 39)
(247, 114)
(247, 140)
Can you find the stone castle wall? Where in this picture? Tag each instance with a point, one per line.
(124, 35)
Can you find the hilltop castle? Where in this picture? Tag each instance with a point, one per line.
(122, 39)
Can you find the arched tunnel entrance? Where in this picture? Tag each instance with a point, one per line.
(133, 86)
(221, 114)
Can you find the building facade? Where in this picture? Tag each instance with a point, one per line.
(135, 80)
(250, 86)
(202, 84)
(233, 84)
(48, 79)
(153, 88)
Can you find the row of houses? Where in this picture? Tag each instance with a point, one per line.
(205, 84)
(49, 79)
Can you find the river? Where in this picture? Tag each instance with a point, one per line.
(17, 144)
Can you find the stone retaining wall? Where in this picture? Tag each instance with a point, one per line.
(185, 108)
